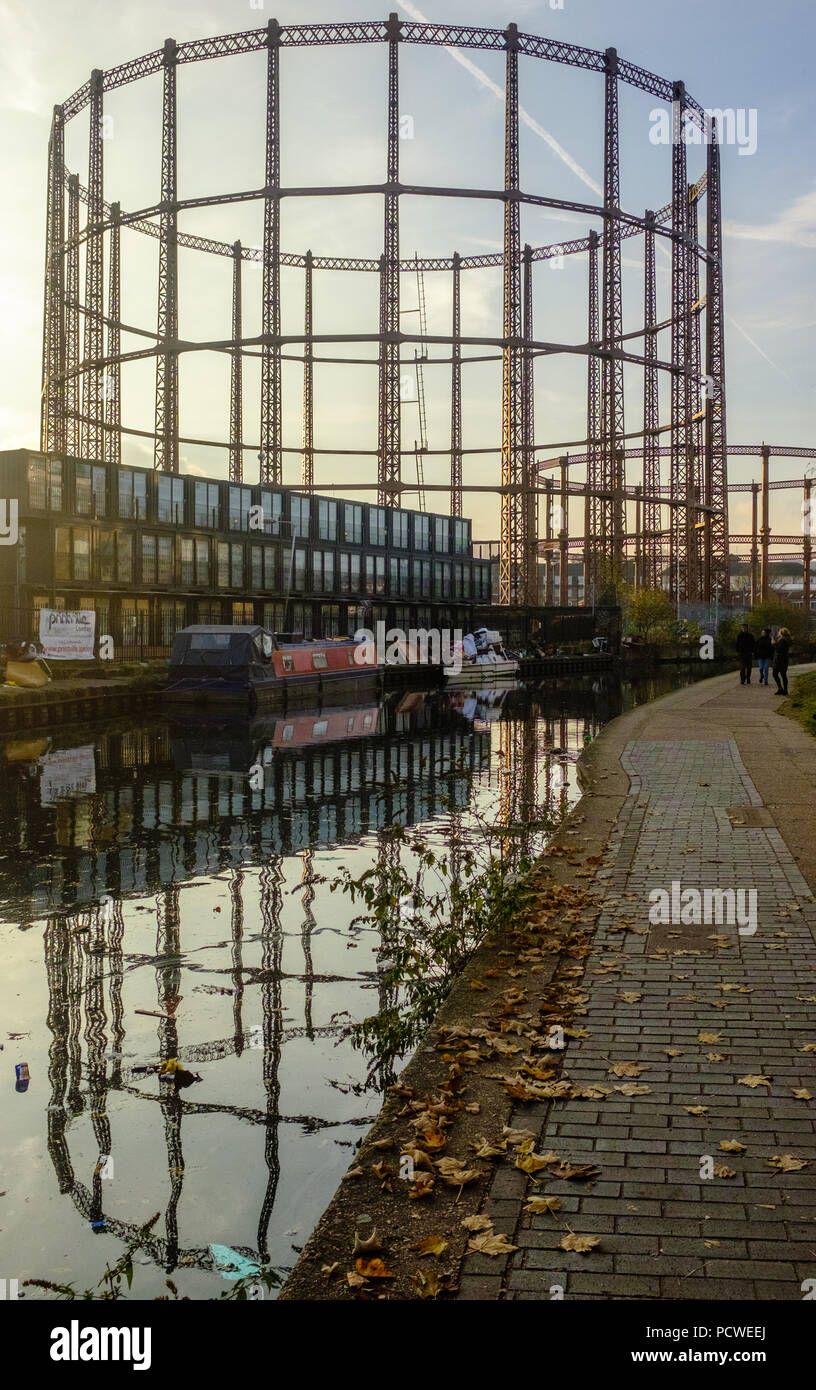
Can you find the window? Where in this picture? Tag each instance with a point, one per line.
(106, 556)
(223, 565)
(376, 525)
(270, 559)
(299, 513)
(124, 557)
(62, 553)
(82, 553)
(132, 494)
(461, 530)
(91, 489)
(323, 571)
(202, 562)
(186, 562)
(256, 566)
(165, 560)
(55, 485)
(273, 616)
(272, 507)
(319, 661)
(206, 504)
(240, 501)
(236, 566)
(399, 577)
(422, 533)
(353, 523)
(422, 578)
(441, 533)
(299, 582)
(327, 520)
(171, 499)
(148, 559)
(37, 484)
(399, 530)
(375, 574)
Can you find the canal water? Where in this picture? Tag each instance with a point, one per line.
(165, 896)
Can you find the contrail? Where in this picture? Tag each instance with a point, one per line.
(485, 81)
(564, 155)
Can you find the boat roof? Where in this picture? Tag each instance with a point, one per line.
(224, 627)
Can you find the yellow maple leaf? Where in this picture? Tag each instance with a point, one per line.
(582, 1244)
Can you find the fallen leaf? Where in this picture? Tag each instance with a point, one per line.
(732, 1146)
(476, 1223)
(431, 1245)
(537, 1205)
(627, 1068)
(493, 1244)
(753, 1081)
(720, 1171)
(787, 1163)
(673, 1051)
(373, 1269)
(632, 1088)
(629, 996)
(329, 1270)
(696, 1109)
(422, 1186)
(803, 1094)
(709, 1037)
(478, 984)
(715, 1056)
(531, 1163)
(427, 1283)
(580, 1243)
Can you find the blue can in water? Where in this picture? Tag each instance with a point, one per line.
(22, 1074)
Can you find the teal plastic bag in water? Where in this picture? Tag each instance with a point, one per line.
(232, 1265)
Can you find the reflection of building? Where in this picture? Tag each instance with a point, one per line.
(151, 552)
(170, 805)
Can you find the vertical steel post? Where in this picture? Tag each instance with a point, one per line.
(651, 555)
(754, 545)
(613, 432)
(52, 399)
(548, 553)
(592, 510)
(73, 432)
(390, 462)
(512, 585)
(530, 481)
(236, 453)
(456, 390)
(765, 529)
(166, 455)
(563, 536)
(807, 545)
(716, 457)
(113, 371)
(697, 534)
(680, 441)
(308, 376)
(92, 395)
(638, 571)
(271, 403)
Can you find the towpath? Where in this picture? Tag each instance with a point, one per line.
(707, 788)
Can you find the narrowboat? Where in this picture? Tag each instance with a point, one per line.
(246, 667)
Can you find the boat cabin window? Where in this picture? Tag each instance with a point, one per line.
(210, 641)
(319, 661)
(322, 727)
(288, 663)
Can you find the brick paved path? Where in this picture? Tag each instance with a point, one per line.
(692, 815)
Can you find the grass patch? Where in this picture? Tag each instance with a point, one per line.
(801, 703)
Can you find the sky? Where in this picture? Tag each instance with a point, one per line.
(740, 54)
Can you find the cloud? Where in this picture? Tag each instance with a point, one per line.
(796, 226)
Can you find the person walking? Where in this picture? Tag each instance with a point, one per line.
(745, 651)
(781, 647)
(763, 651)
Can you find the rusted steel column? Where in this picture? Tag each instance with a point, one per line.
(754, 544)
(236, 455)
(563, 537)
(765, 529)
(511, 560)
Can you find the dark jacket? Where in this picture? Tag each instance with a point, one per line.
(781, 650)
(746, 642)
(763, 648)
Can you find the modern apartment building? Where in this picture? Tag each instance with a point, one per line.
(151, 552)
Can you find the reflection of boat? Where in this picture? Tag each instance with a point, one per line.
(480, 707)
(247, 665)
(235, 745)
(484, 661)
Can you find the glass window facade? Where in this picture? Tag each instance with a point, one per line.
(132, 495)
(206, 504)
(377, 534)
(171, 500)
(352, 523)
(326, 520)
